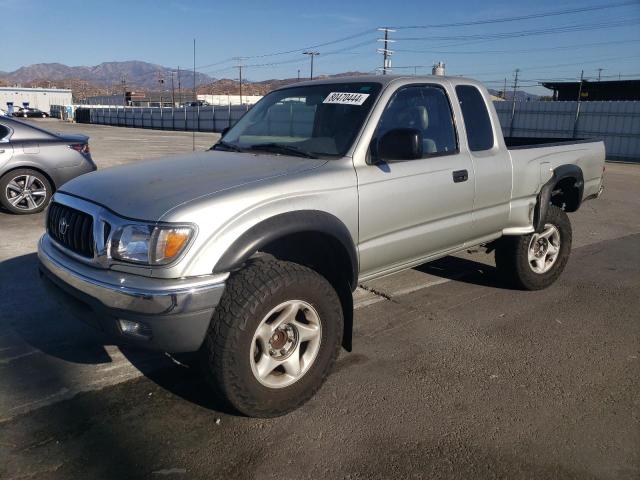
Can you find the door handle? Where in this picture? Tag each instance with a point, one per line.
(460, 176)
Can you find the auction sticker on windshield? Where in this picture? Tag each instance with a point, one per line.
(346, 98)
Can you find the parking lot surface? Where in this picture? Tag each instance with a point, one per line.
(453, 374)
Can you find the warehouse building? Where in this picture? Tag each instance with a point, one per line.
(41, 98)
(604, 90)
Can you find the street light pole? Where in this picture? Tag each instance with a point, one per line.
(312, 54)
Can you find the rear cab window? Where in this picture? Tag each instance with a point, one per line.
(476, 118)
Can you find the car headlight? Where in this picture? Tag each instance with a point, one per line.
(150, 245)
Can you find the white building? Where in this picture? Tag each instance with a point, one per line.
(41, 98)
(229, 99)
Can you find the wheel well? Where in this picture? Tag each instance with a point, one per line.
(566, 194)
(29, 167)
(327, 256)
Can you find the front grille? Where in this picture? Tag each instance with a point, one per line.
(71, 228)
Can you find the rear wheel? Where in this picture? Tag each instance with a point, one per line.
(535, 261)
(25, 191)
(273, 338)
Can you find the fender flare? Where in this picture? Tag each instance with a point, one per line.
(284, 224)
(544, 197)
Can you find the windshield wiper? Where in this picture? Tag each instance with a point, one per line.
(284, 149)
(227, 145)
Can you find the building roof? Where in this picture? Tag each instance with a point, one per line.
(606, 90)
(30, 89)
(602, 84)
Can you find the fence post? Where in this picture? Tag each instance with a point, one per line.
(229, 117)
(185, 118)
(198, 120)
(575, 122)
(213, 118)
(513, 115)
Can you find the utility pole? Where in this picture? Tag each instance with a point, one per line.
(600, 73)
(161, 86)
(504, 89)
(179, 87)
(386, 53)
(513, 102)
(123, 81)
(575, 123)
(195, 97)
(312, 54)
(298, 74)
(239, 67)
(173, 91)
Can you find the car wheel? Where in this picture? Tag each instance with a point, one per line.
(273, 338)
(25, 191)
(535, 261)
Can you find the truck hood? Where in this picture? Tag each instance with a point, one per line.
(146, 190)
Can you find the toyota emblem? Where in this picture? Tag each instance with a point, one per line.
(63, 225)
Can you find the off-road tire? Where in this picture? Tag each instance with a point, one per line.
(250, 294)
(511, 255)
(7, 177)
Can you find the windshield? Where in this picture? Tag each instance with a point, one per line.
(314, 120)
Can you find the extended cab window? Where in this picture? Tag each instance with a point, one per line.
(4, 132)
(476, 118)
(425, 108)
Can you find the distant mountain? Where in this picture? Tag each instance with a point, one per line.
(107, 78)
(521, 96)
(137, 74)
(232, 87)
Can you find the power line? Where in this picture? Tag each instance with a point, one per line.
(522, 17)
(296, 50)
(528, 50)
(529, 33)
(296, 59)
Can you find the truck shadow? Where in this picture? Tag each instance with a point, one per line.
(32, 324)
(465, 270)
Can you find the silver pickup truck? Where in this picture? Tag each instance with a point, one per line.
(249, 253)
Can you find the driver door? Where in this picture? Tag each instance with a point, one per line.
(410, 210)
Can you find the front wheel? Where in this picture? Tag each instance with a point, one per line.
(535, 261)
(273, 338)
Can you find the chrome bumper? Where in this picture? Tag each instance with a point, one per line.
(177, 311)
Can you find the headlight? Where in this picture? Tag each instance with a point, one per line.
(148, 244)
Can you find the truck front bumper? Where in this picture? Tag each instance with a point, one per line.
(171, 315)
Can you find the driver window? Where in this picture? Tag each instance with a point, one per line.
(425, 108)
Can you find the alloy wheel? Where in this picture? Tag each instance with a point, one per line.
(26, 192)
(544, 249)
(285, 344)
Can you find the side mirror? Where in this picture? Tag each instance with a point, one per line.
(224, 131)
(399, 144)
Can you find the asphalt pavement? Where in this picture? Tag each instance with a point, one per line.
(453, 374)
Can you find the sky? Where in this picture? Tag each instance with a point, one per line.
(89, 32)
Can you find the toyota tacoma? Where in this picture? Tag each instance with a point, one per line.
(248, 253)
